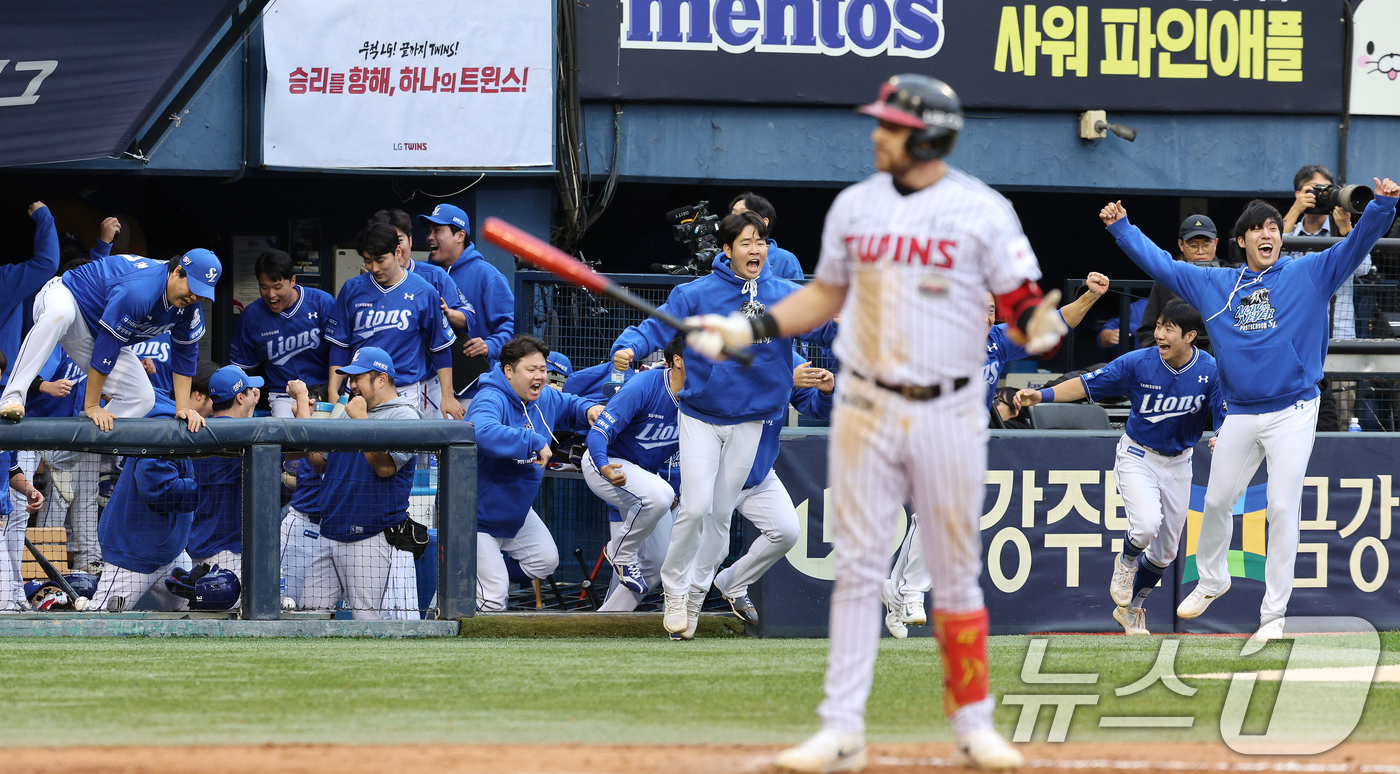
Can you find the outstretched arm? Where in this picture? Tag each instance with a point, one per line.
(1073, 312)
(1064, 392)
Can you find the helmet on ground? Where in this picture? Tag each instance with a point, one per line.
(83, 583)
(928, 106)
(206, 587)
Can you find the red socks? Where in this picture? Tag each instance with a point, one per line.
(962, 639)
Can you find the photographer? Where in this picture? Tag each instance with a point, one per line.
(1303, 220)
(781, 262)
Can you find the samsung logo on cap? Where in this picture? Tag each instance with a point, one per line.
(912, 28)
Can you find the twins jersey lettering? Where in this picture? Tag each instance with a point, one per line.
(123, 296)
(916, 267)
(404, 320)
(158, 350)
(1170, 406)
(289, 344)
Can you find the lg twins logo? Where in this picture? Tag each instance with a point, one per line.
(912, 28)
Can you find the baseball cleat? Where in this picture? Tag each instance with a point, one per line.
(743, 607)
(674, 617)
(1197, 602)
(828, 751)
(694, 601)
(12, 411)
(985, 749)
(1132, 619)
(630, 577)
(894, 612)
(1121, 587)
(914, 614)
(1268, 632)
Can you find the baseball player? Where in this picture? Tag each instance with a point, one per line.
(26, 277)
(281, 334)
(364, 499)
(15, 509)
(490, 302)
(781, 262)
(98, 310)
(515, 418)
(396, 311)
(216, 536)
(145, 527)
(628, 447)
(301, 542)
(1268, 327)
(1001, 349)
(907, 256)
(719, 435)
(154, 355)
(1173, 390)
(765, 503)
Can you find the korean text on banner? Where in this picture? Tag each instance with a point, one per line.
(352, 84)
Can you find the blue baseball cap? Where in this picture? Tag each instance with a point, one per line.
(203, 270)
(229, 381)
(369, 359)
(448, 215)
(558, 362)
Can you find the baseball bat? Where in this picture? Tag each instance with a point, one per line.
(587, 581)
(52, 572)
(545, 256)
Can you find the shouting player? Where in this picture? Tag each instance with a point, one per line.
(281, 332)
(1268, 326)
(98, 310)
(1173, 390)
(907, 256)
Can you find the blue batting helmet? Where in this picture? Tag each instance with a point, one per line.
(206, 587)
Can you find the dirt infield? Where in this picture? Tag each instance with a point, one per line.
(1371, 758)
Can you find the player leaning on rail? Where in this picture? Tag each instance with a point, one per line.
(1268, 325)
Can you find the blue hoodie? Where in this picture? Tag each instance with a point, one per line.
(218, 522)
(726, 393)
(146, 523)
(1269, 329)
(807, 400)
(508, 433)
(21, 279)
(784, 263)
(490, 302)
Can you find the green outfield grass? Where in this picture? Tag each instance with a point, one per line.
(733, 690)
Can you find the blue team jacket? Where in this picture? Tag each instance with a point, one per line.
(508, 433)
(783, 263)
(726, 393)
(146, 523)
(22, 279)
(490, 302)
(1269, 329)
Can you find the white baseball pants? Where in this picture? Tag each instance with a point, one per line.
(715, 462)
(767, 506)
(58, 321)
(533, 547)
(1156, 492)
(401, 597)
(12, 526)
(649, 557)
(415, 394)
(357, 572)
(82, 469)
(909, 577)
(302, 546)
(642, 501)
(281, 405)
(129, 585)
(1285, 439)
(886, 451)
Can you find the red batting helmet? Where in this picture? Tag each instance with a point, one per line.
(927, 105)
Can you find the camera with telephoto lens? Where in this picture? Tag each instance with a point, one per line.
(1352, 198)
(696, 228)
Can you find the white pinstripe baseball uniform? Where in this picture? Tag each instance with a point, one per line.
(916, 267)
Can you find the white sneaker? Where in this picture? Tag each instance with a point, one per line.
(1133, 619)
(12, 411)
(894, 612)
(1121, 587)
(914, 614)
(1197, 602)
(674, 618)
(694, 601)
(826, 752)
(985, 749)
(1268, 632)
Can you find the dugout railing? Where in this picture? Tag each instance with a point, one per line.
(261, 443)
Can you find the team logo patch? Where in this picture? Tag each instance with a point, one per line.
(212, 275)
(1255, 313)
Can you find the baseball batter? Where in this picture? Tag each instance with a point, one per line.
(907, 256)
(1268, 326)
(1173, 390)
(281, 332)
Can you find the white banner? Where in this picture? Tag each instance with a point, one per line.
(409, 84)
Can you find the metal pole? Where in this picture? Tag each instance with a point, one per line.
(457, 532)
(262, 508)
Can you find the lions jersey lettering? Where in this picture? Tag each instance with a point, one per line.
(657, 434)
(404, 320)
(289, 344)
(158, 351)
(1169, 406)
(639, 423)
